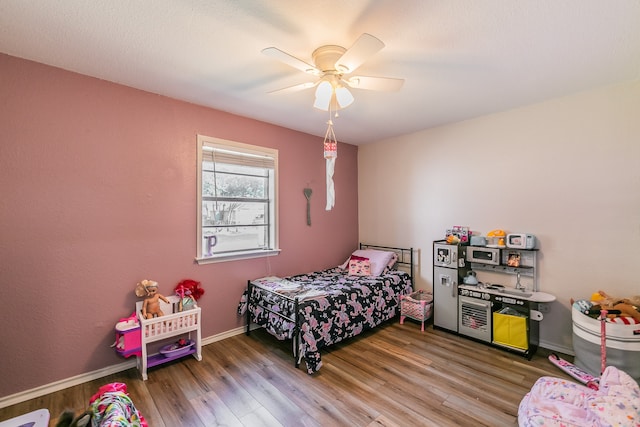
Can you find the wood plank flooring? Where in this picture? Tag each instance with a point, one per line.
(392, 376)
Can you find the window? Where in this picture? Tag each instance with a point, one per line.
(237, 200)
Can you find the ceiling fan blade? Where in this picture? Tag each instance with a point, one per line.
(290, 60)
(362, 49)
(388, 84)
(295, 88)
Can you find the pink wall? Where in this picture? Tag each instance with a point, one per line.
(98, 185)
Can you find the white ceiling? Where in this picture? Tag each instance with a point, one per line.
(459, 58)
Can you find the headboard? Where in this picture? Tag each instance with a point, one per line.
(405, 256)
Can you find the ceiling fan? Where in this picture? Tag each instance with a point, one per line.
(334, 66)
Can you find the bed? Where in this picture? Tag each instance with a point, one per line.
(322, 308)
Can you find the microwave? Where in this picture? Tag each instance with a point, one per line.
(483, 255)
(521, 241)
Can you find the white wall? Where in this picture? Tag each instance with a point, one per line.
(566, 170)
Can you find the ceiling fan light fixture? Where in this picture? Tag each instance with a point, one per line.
(324, 93)
(333, 65)
(344, 97)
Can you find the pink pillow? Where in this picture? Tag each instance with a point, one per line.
(392, 263)
(379, 260)
(359, 266)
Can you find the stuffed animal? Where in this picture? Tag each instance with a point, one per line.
(627, 306)
(190, 286)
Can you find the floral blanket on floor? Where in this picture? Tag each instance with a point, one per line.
(111, 406)
(556, 402)
(332, 306)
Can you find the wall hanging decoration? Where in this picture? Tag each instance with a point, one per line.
(307, 194)
(330, 154)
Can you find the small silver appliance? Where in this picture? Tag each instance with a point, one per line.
(521, 241)
(483, 255)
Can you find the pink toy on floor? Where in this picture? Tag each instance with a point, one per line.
(558, 402)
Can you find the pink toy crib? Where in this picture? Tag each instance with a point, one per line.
(173, 324)
(416, 306)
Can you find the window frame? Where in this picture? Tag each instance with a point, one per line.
(203, 141)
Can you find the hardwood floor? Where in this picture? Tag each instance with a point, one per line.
(392, 376)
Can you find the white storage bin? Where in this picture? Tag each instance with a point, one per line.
(623, 345)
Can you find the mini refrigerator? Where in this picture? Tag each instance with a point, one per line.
(449, 267)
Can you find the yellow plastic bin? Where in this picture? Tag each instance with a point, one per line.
(510, 330)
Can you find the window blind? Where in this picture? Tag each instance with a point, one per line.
(214, 154)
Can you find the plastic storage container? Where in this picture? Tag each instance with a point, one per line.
(510, 330)
(623, 345)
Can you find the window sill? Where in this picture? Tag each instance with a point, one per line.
(237, 256)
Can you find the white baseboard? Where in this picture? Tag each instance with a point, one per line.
(62, 384)
(90, 376)
(558, 348)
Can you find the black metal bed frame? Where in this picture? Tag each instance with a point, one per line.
(402, 256)
(295, 321)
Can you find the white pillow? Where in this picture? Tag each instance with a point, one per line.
(378, 259)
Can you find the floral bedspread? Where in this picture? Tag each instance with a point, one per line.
(333, 306)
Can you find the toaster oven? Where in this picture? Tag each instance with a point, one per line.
(483, 255)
